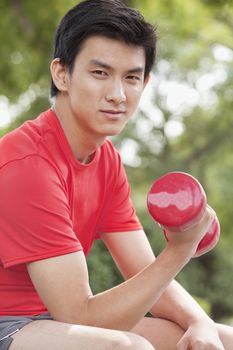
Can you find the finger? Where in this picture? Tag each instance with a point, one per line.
(183, 344)
(207, 218)
(211, 210)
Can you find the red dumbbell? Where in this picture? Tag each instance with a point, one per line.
(177, 201)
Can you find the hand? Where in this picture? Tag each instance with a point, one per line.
(191, 237)
(201, 335)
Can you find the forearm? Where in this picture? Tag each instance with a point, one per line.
(123, 306)
(126, 304)
(177, 305)
(68, 297)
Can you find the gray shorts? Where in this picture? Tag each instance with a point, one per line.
(9, 325)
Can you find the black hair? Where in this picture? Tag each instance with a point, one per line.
(109, 18)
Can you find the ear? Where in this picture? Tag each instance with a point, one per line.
(59, 74)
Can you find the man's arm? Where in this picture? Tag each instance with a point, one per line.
(62, 282)
(131, 252)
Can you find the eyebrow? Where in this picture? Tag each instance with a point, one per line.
(107, 66)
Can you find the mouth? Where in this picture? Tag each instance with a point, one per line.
(112, 113)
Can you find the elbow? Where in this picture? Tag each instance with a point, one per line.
(72, 314)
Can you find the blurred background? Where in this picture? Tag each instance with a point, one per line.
(185, 119)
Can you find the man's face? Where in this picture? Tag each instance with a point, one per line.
(105, 85)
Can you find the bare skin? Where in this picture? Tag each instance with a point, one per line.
(163, 334)
(54, 335)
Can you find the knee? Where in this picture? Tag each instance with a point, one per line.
(131, 341)
(141, 343)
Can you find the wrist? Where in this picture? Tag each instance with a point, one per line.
(182, 251)
(200, 319)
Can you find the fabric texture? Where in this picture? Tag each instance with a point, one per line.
(52, 205)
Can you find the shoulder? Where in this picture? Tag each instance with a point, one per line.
(111, 154)
(110, 162)
(24, 140)
(113, 170)
(28, 175)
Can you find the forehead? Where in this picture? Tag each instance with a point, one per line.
(112, 52)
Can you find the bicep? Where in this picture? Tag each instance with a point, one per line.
(131, 251)
(63, 285)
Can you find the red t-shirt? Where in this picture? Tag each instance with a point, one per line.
(52, 205)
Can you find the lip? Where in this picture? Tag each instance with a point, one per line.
(113, 114)
(112, 111)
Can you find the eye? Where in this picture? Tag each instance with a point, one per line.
(99, 73)
(133, 78)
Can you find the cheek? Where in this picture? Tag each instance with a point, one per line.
(83, 94)
(134, 96)
(82, 83)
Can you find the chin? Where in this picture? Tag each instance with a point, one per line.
(114, 131)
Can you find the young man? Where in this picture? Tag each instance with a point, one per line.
(62, 185)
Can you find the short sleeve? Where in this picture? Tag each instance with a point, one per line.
(119, 213)
(35, 220)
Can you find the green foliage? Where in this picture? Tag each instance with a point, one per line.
(193, 38)
(27, 33)
(103, 273)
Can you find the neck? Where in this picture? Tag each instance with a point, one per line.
(82, 146)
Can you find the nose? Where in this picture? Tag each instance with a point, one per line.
(115, 92)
